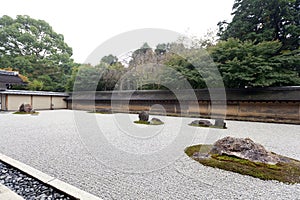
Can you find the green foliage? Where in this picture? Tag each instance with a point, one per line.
(110, 59)
(145, 46)
(196, 66)
(84, 77)
(247, 64)
(162, 48)
(31, 47)
(187, 70)
(102, 77)
(260, 21)
(36, 85)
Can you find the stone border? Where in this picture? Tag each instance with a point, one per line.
(49, 180)
(7, 194)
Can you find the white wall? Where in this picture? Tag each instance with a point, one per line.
(59, 103)
(37, 102)
(41, 102)
(14, 101)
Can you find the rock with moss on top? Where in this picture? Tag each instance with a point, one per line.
(244, 148)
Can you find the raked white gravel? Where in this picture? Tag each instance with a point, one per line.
(122, 160)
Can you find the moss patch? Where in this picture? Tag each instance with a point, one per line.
(26, 113)
(142, 122)
(199, 125)
(287, 172)
(148, 123)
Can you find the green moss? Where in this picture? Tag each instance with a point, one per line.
(26, 113)
(287, 172)
(197, 148)
(148, 123)
(141, 122)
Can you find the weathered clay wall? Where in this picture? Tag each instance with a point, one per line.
(273, 105)
(283, 112)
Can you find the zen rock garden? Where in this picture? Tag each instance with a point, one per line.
(144, 119)
(26, 109)
(185, 177)
(246, 157)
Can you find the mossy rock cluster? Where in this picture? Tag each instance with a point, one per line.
(142, 122)
(287, 172)
(153, 121)
(219, 123)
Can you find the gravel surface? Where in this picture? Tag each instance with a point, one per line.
(28, 187)
(110, 156)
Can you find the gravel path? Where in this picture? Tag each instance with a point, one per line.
(113, 158)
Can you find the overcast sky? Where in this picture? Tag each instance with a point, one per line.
(86, 24)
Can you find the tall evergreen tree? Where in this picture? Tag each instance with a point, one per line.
(269, 20)
(246, 64)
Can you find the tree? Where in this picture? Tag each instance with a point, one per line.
(186, 70)
(36, 85)
(84, 77)
(110, 59)
(102, 77)
(259, 21)
(33, 48)
(145, 46)
(162, 48)
(247, 64)
(110, 75)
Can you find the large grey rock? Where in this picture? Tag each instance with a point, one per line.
(25, 108)
(201, 122)
(144, 116)
(244, 148)
(219, 122)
